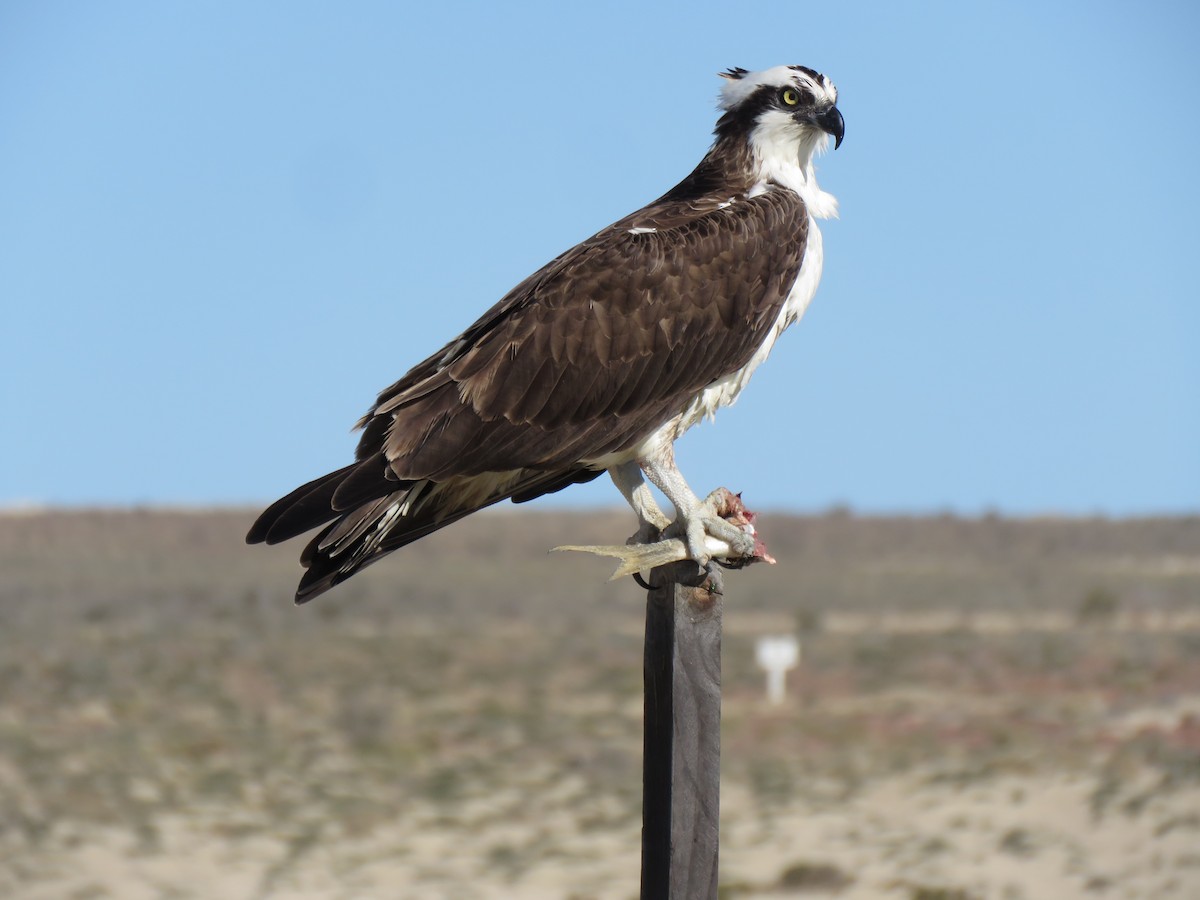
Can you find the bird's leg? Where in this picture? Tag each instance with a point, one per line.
(652, 521)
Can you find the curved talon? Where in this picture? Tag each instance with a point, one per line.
(734, 564)
(642, 582)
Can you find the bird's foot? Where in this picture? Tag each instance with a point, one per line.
(719, 530)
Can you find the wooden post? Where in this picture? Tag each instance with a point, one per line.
(681, 779)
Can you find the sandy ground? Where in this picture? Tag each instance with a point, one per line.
(1036, 836)
(983, 709)
(1033, 837)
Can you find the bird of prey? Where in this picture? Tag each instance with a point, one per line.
(600, 360)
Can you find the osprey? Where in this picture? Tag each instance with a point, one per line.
(601, 359)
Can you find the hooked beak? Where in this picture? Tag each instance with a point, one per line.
(831, 122)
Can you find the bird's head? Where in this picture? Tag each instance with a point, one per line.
(784, 116)
(792, 105)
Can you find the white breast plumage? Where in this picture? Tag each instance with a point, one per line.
(725, 391)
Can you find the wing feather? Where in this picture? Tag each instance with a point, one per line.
(706, 289)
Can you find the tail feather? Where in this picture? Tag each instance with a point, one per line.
(380, 531)
(302, 510)
(367, 480)
(355, 523)
(355, 538)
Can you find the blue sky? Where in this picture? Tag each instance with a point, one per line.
(225, 226)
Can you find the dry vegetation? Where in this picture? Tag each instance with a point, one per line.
(985, 708)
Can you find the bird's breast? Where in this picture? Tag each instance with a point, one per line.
(725, 390)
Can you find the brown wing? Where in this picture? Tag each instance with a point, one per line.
(600, 347)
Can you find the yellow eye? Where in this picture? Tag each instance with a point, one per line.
(790, 97)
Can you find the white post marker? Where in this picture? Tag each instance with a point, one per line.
(777, 654)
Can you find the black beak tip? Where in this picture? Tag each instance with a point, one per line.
(833, 123)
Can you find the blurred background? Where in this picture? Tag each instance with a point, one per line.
(225, 227)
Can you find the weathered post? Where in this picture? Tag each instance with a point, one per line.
(681, 786)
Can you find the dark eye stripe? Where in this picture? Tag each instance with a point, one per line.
(742, 117)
